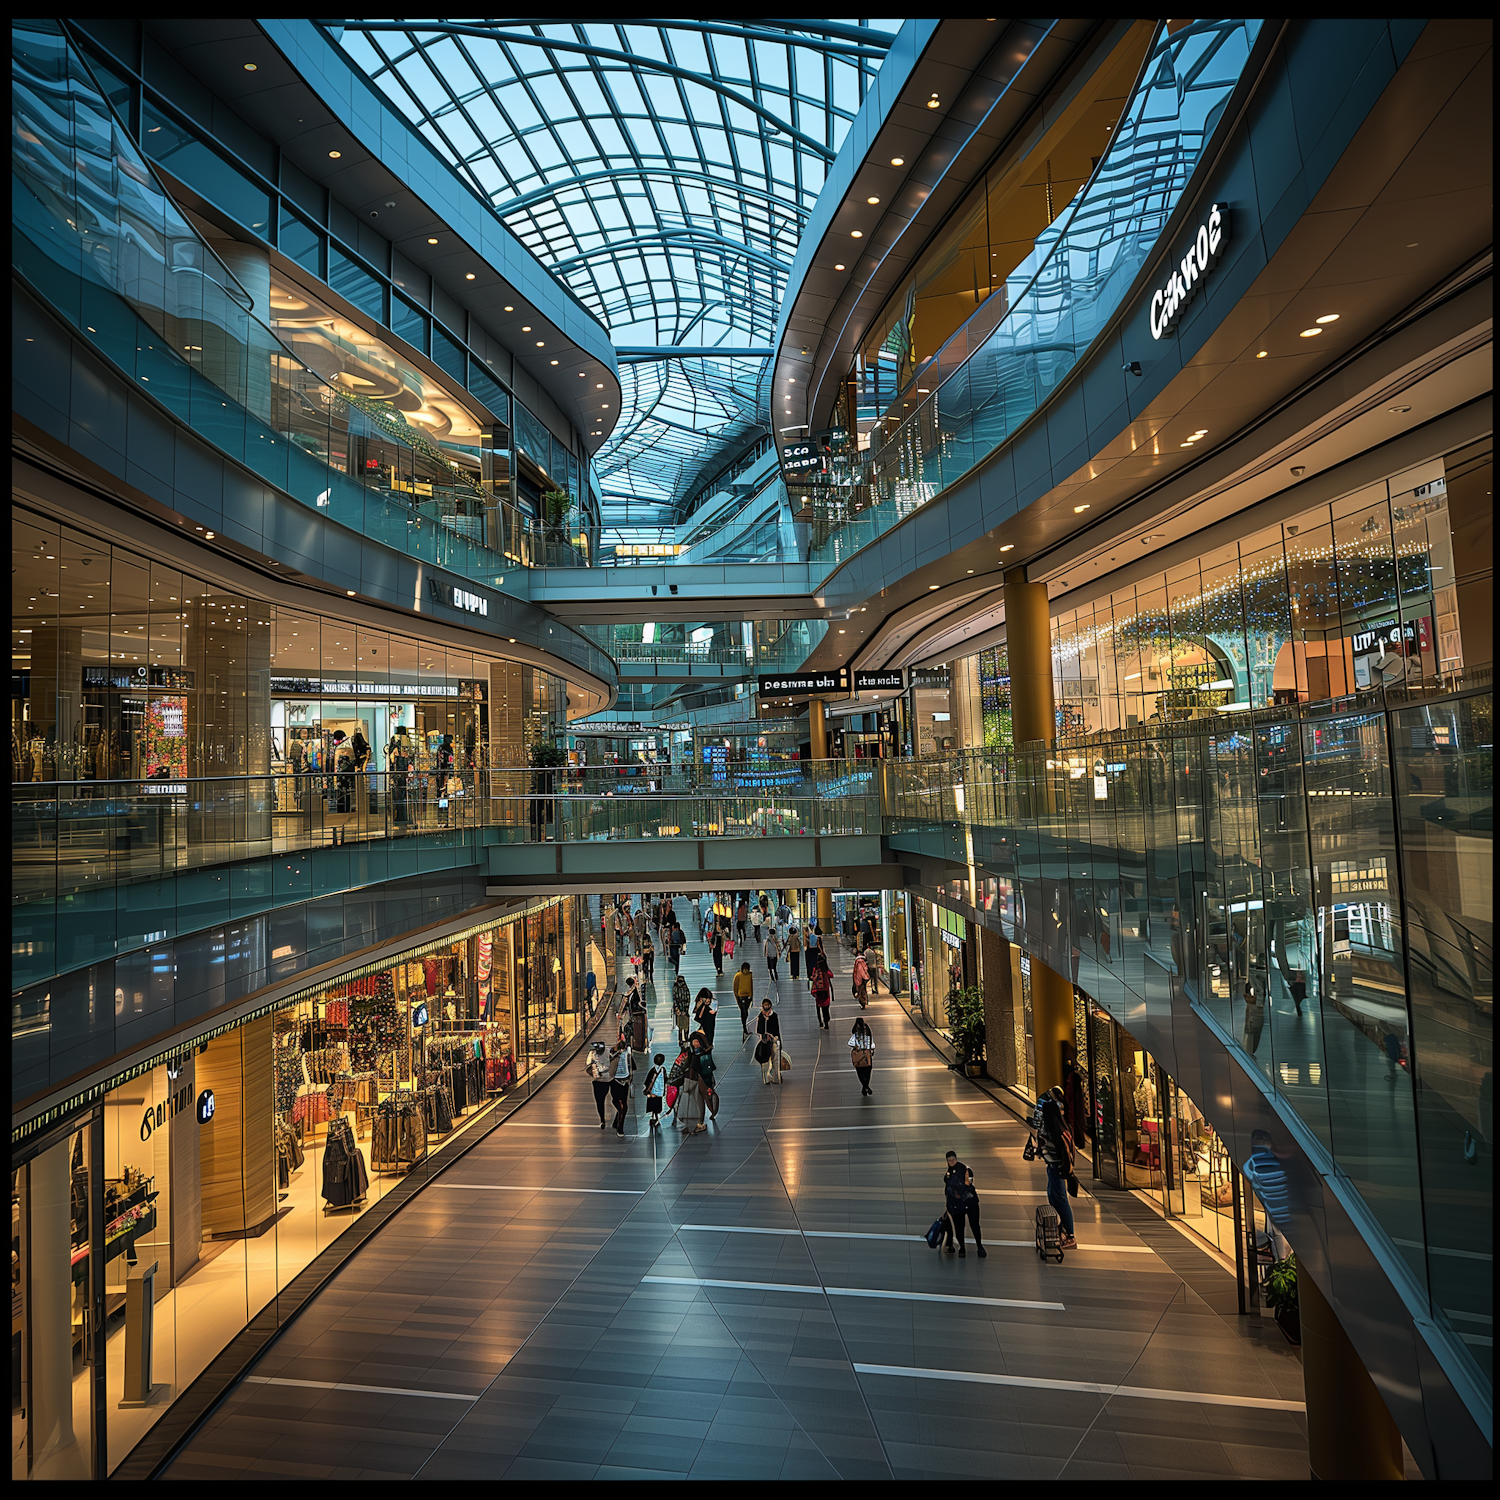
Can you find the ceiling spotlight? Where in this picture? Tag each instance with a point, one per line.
(599, 385)
(509, 308)
(525, 327)
(334, 155)
(932, 586)
(350, 592)
(250, 67)
(554, 361)
(1327, 318)
(898, 161)
(838, 268)
(856, 234)
(1078, 510)
(541, 343)
(932, 103)
(872, 201)
(468, 276)
(583, 374)
(1262, 354)
(431, 239)
(1309, 333)
(1009, 547)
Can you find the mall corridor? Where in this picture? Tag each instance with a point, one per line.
(758, 1302)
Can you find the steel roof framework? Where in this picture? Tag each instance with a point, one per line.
(664, 172)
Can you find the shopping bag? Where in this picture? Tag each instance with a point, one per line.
(934, 1236)
(671, 1096)
(786, 1062)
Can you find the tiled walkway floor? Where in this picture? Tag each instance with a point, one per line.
(566, 1304)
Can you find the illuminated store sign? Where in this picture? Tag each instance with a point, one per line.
(1181, 286)
(836, 681)
(893, 678)
(801, 458)
(457, 598)
(328, 687)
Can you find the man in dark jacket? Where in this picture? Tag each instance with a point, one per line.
(963, 1203)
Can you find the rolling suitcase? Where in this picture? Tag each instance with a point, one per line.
(1048, 1233)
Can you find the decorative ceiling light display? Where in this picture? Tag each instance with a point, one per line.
(664, 173)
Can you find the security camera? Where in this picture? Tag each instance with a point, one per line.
(1298, 470)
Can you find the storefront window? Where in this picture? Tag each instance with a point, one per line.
(228, 1167)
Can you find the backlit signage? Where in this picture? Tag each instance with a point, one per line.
(801, 458)
(792, 684)
(457, 598)
(1181, 286)
(892, 679)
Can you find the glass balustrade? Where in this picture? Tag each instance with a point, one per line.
(99, 239)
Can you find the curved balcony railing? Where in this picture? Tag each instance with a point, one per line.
(1019, 345)
(96, 234)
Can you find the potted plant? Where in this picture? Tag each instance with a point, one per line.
(966, 1027)
(1281, 1298)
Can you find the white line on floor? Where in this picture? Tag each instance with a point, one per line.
(1139, 1392)
(849, 1234)
(373, 1390)
(852, 1291)
(920, 1125)
(522, 1187)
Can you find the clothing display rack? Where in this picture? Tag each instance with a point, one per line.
(398, 1137)
(460, 1059)
(346, 1180)
(289, 1157)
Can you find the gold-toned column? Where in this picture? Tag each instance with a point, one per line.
(1051, 1022)
(1350, 1431)
(1028, 651)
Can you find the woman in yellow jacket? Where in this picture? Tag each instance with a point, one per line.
(744, 992)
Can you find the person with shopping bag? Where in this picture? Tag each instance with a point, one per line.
(822, 992)
(862, 1053)
(861, 979)
(768, 1045)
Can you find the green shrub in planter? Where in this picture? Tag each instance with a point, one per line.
(1281, 1297)
(966, 1024)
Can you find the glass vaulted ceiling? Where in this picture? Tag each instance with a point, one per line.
(664, 172)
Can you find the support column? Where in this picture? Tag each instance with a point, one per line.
(1051, 1023)
(56, 1452)
(1028, 650)
(1350, 1432)
(817, 725)
(251, 265)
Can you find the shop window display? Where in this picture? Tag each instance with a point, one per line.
(228, 1167)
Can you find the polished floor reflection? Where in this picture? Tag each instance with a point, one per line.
(757, 1302)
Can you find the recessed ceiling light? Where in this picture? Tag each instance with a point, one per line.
(335, 154)
(931, 586)
(1009, 547)
(898, 161)
(1187, 444)
(350, 593)
(856, 234)
(838, 268)
(509, 308)
(209, 535)
(1262, 354)
(1310, 333)
(554, 361)
(468, 276)
(583, 374)
(1327, 318)
(250, 67)
(872, 201)
(431, 239)
(932, 103)
(970, 570)
(541, 343)
(525, 327)
(1078, 510)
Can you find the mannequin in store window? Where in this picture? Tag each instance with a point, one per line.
(343, 763)
(398, 762)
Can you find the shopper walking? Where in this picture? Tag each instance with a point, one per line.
(741, 918)
(706, 1012)
(648, 958)
(862, 1054)
(1056, 1147)
(682, 1008)
(621, 1063)
(638, 927)
(598, 1068)
(861, 981)
(638, 1021)
(655, 1090)
(773, 952)
(963, 1203)
(744, 992)
(822, 989)
(794, 950)
(703, 1055)
(768, 1047)
(716, 947)
(755, 920)
(690, 1104)
(676, 942)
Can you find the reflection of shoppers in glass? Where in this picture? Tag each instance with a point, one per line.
(1255, 1019)
(398, 761)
